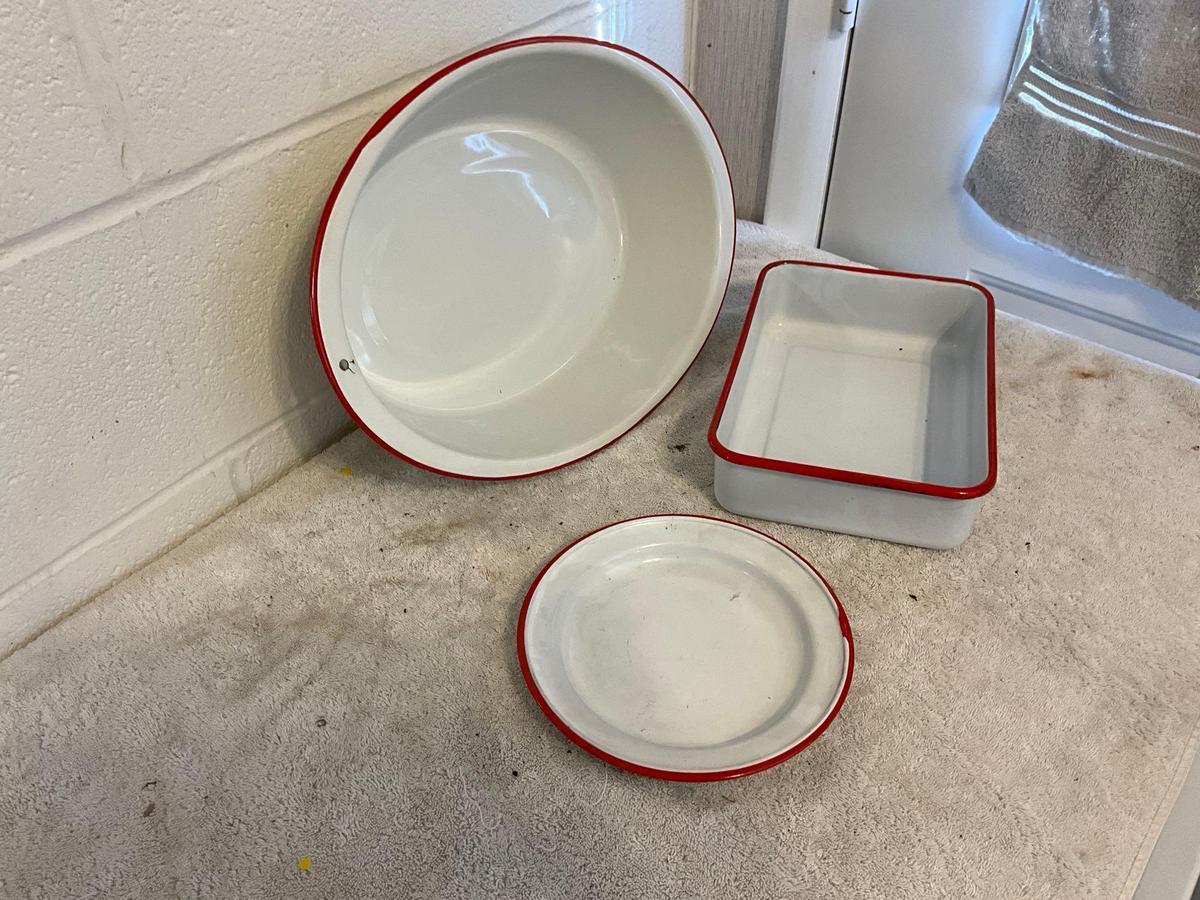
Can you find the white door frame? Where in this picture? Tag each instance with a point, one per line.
(813, 71)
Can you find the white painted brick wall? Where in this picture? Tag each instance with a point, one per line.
(247, 69)
(54, 151)
(164, 165)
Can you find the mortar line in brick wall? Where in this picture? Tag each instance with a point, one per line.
(151, 193)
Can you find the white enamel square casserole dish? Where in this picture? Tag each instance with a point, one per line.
(860, 401)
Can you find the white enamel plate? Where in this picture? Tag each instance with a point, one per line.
(685, 647)
(522, 257)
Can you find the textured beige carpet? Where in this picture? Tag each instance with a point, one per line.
(317, 696)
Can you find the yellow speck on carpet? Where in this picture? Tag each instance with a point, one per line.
(304, 863)
(345, 472)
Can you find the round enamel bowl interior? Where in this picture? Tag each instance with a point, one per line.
(685, 648)
(522, 257)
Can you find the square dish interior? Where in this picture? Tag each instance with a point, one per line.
(870, 373)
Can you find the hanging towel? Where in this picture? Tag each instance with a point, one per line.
(1096, 148)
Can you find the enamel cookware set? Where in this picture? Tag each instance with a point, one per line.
(517, 263)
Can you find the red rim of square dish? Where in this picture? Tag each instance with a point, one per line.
(394, 110)
(848, 475)
(671, 774)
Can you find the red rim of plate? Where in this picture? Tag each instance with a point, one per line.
(375, 129)
(671, 774)
(849, 475)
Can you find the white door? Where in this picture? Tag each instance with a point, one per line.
(924, 80)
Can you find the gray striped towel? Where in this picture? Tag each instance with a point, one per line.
(1096, 149)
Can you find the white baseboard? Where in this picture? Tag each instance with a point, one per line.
(159, 522)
